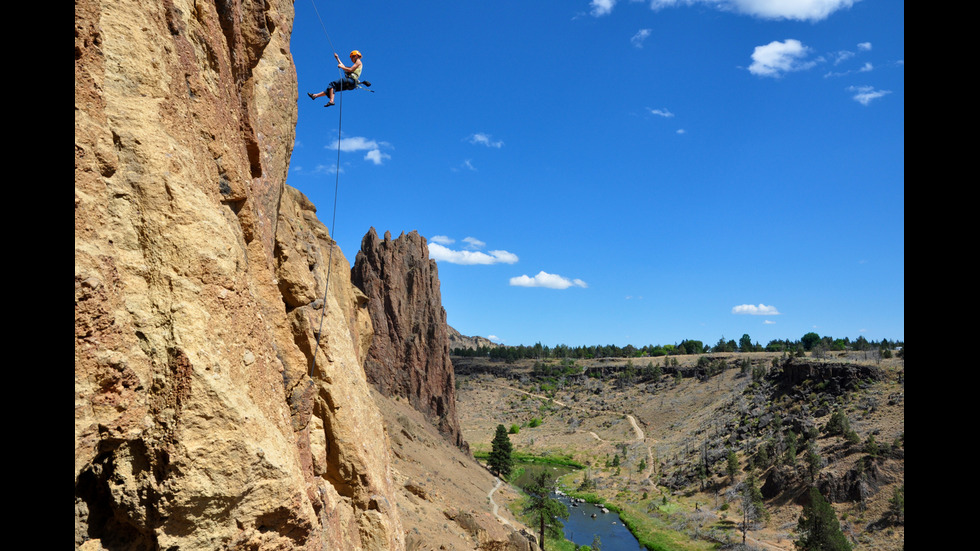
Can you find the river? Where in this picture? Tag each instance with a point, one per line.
(585, 521)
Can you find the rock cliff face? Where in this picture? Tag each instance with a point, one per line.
(409, 356)
(199, 285)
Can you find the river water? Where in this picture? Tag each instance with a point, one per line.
(581, 527)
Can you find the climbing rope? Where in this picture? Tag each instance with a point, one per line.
(336, 188)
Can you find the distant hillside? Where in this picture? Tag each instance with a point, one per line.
(459, 341)
(657, 435)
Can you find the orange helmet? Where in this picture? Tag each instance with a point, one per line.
(355, 53)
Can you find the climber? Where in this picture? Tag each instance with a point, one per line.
(349, 81)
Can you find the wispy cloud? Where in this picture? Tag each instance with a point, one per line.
(866, 94)
(485, 139)
(474, 243)
(549, 281)
(799, 10)
(467, 164)
(318, 169)
(601, 7)
(753, 310)
(665, 113)
(442, 240)
(777, 58)
(640, 36)
(842, 56)
(837, 58)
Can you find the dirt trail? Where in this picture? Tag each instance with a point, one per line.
(494, 505)
(640, 437)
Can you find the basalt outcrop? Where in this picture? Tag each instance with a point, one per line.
(409, 356)
(201, 418)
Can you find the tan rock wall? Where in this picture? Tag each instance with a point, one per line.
(199, 281)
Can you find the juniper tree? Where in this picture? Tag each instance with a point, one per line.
(818, 527)
(731, 467)
(500, 460)
(896, 505)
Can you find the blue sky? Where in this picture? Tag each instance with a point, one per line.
(623, 172)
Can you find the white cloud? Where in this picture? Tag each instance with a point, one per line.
(602, 7)
(439, 252)
(485, 139)
(357, 143)
(640, 36)
(800, 10)
(376, 156)
(866, 46)
(442, 240)
(360, 143)
(768, 322)
(665, 113)
(776, 58)
(752, 309)
(495, 338)
(865, 94)
(544, 279)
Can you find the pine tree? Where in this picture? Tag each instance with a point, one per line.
(819, 528)
(543, 510)
(500, 460)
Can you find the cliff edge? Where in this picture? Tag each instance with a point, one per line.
(199, 289)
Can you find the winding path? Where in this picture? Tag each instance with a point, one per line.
(494, 505)
(640, 437)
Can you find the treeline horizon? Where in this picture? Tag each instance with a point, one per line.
(810, 342)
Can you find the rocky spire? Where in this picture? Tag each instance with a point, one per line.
(409, 356)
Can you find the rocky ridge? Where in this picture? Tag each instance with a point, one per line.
(458, 340)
